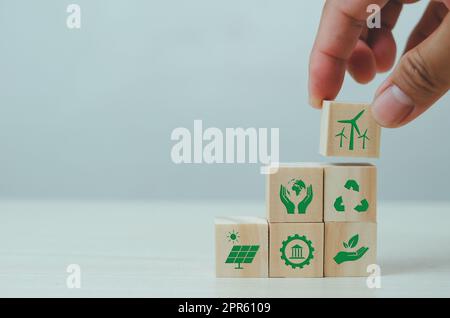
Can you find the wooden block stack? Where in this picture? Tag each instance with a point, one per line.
(321, 218)
(350, 219)
(294, 195)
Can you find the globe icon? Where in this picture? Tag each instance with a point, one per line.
(297, 186)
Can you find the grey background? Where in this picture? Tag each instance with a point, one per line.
(87, 114)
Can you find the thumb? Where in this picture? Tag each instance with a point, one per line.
(418, 81)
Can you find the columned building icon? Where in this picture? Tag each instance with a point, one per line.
(296, 252)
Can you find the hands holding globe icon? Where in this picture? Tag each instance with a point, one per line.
(296, 194)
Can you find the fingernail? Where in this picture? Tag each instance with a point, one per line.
(386, 83)
(391, 106)
(315, 102)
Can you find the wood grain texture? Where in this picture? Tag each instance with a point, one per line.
(330, 128)
(249, 231)
(312, 175)
(279, 233)
(338, 233)
(336, 177)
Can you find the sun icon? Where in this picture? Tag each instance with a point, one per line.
(233, 237)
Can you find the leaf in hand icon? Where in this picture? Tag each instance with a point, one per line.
(343, 256)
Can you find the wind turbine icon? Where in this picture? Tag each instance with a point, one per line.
(342, 136)
(364, 137)
(354, 126)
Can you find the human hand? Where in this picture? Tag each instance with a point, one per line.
(290, 207)
(345, 43)
(342, 257)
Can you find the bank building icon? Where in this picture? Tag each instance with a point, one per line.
(296, 252)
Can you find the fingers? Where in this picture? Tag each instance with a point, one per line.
(381, 40)
(382, 44)
(419, 80)
(340, 28)
(362, 64)
(430, 21)
(375, 51)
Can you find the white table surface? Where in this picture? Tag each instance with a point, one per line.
(164, 249)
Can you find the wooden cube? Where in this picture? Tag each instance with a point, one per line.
(348, 130)
(296, 249)
(350, 193)
(242, 247)
(349, 248)
(294, 193)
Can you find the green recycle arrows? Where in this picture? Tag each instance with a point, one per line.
(351, 185)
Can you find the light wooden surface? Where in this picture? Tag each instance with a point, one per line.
(336, 233)
(336, 177)
(330, 128)
(311, 174)
(285, 233)
(166, 249)
(247, 231)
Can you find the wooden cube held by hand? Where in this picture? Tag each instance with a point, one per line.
(348, 130)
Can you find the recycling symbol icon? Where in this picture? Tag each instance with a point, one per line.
(351, 185)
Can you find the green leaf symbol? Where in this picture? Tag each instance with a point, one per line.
(353, 241)
(345, 245)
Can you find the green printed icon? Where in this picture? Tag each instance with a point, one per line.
(296, 195)
(362, 207)
(339, 204)
(351, 185)
(242, 254)
(297, 251)
(353, 127)
(233, 237)
(351, 256)
(341, 136)
(364, 138)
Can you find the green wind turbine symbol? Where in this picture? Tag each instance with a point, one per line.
(354, 126)
(341, 135)
(364, 137)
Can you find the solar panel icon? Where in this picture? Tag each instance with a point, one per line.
(242, 254)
